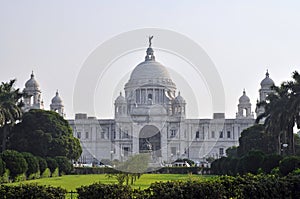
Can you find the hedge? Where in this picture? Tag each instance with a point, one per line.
(247, 186)
(31, 191)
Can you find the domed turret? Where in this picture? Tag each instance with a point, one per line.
(179, 99)
(244, 99)
(244, 107)
(267, 82)
(56, 99)
(32, 95)
(57, 105)
(120, 99)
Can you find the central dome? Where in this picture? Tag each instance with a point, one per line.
(150, 69)
(150, 72)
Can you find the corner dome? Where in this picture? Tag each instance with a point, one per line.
(32, 83)
(179, 99)
(244, 99)
(56, 99)
(267, 82)
(120, 99)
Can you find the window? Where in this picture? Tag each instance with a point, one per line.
(150, 96)
(221, 134)
(228, 134)
(221, 151)
(212, 134)
(173, 133)
(197, 135)
(173, 151)
(126, 151)
(86, 135)
(102, 135)
(125, 134)
(78, 135)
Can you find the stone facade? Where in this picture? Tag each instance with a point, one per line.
(151, 118)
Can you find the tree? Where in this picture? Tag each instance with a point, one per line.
(42, 164)
(10, 109)
(2, 167)
(282, 113)
(15, 162)
(289, 164)
(52, 164)
(255, 138)
(46, 134)
(32, 162)
(64, 165)
(270, 162)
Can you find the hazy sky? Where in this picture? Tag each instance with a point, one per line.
(243, 39)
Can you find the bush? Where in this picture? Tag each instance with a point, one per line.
(52, 164)
(32, 191)
(14, 162)
(270, 162)
(32, 162)
(64, 165)
(42, 164)
(289, 164)
(104, 191)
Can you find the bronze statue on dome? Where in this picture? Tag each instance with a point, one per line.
(150, 38)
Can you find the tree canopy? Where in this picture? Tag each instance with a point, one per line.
(46, 134)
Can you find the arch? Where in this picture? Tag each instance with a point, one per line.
(150, 140)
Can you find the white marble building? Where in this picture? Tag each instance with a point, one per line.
(151, 118)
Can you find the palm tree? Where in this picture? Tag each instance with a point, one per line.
(282, 110)
(10, 108)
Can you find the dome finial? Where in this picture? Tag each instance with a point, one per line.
(32, 75)
(150, 51)
(56, 91)
(244, 91)
(120, 93)
(150, 38)
(267, 73)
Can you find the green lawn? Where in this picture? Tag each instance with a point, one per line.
(71, 182)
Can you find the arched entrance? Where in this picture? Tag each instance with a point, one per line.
(150, 141)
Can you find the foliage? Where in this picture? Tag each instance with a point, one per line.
(52, 164)
(104, 191)
(32, 191)
(32, 162)
(289, 164)
(281, 113)
(232, 151)
(255, 138)
(42, 164)
(64, 165)
(2, 167)
(14, 162)
(270, 162)
(10, 109)
(46, 134)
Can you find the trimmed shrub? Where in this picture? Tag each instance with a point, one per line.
(104, 191)
(52, 164)
(32, 162)
(289, 164)
(32, 191)
(64, 165)
(270, 162)
(42, 164)
(14, 162)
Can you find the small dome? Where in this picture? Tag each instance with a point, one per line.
(244, 98)
(179, 99)
(267, 82)
(120, 99)
(31, 83)
(56, 99)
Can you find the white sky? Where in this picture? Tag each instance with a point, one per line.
(243, 38)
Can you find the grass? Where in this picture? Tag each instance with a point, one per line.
(71, 182)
